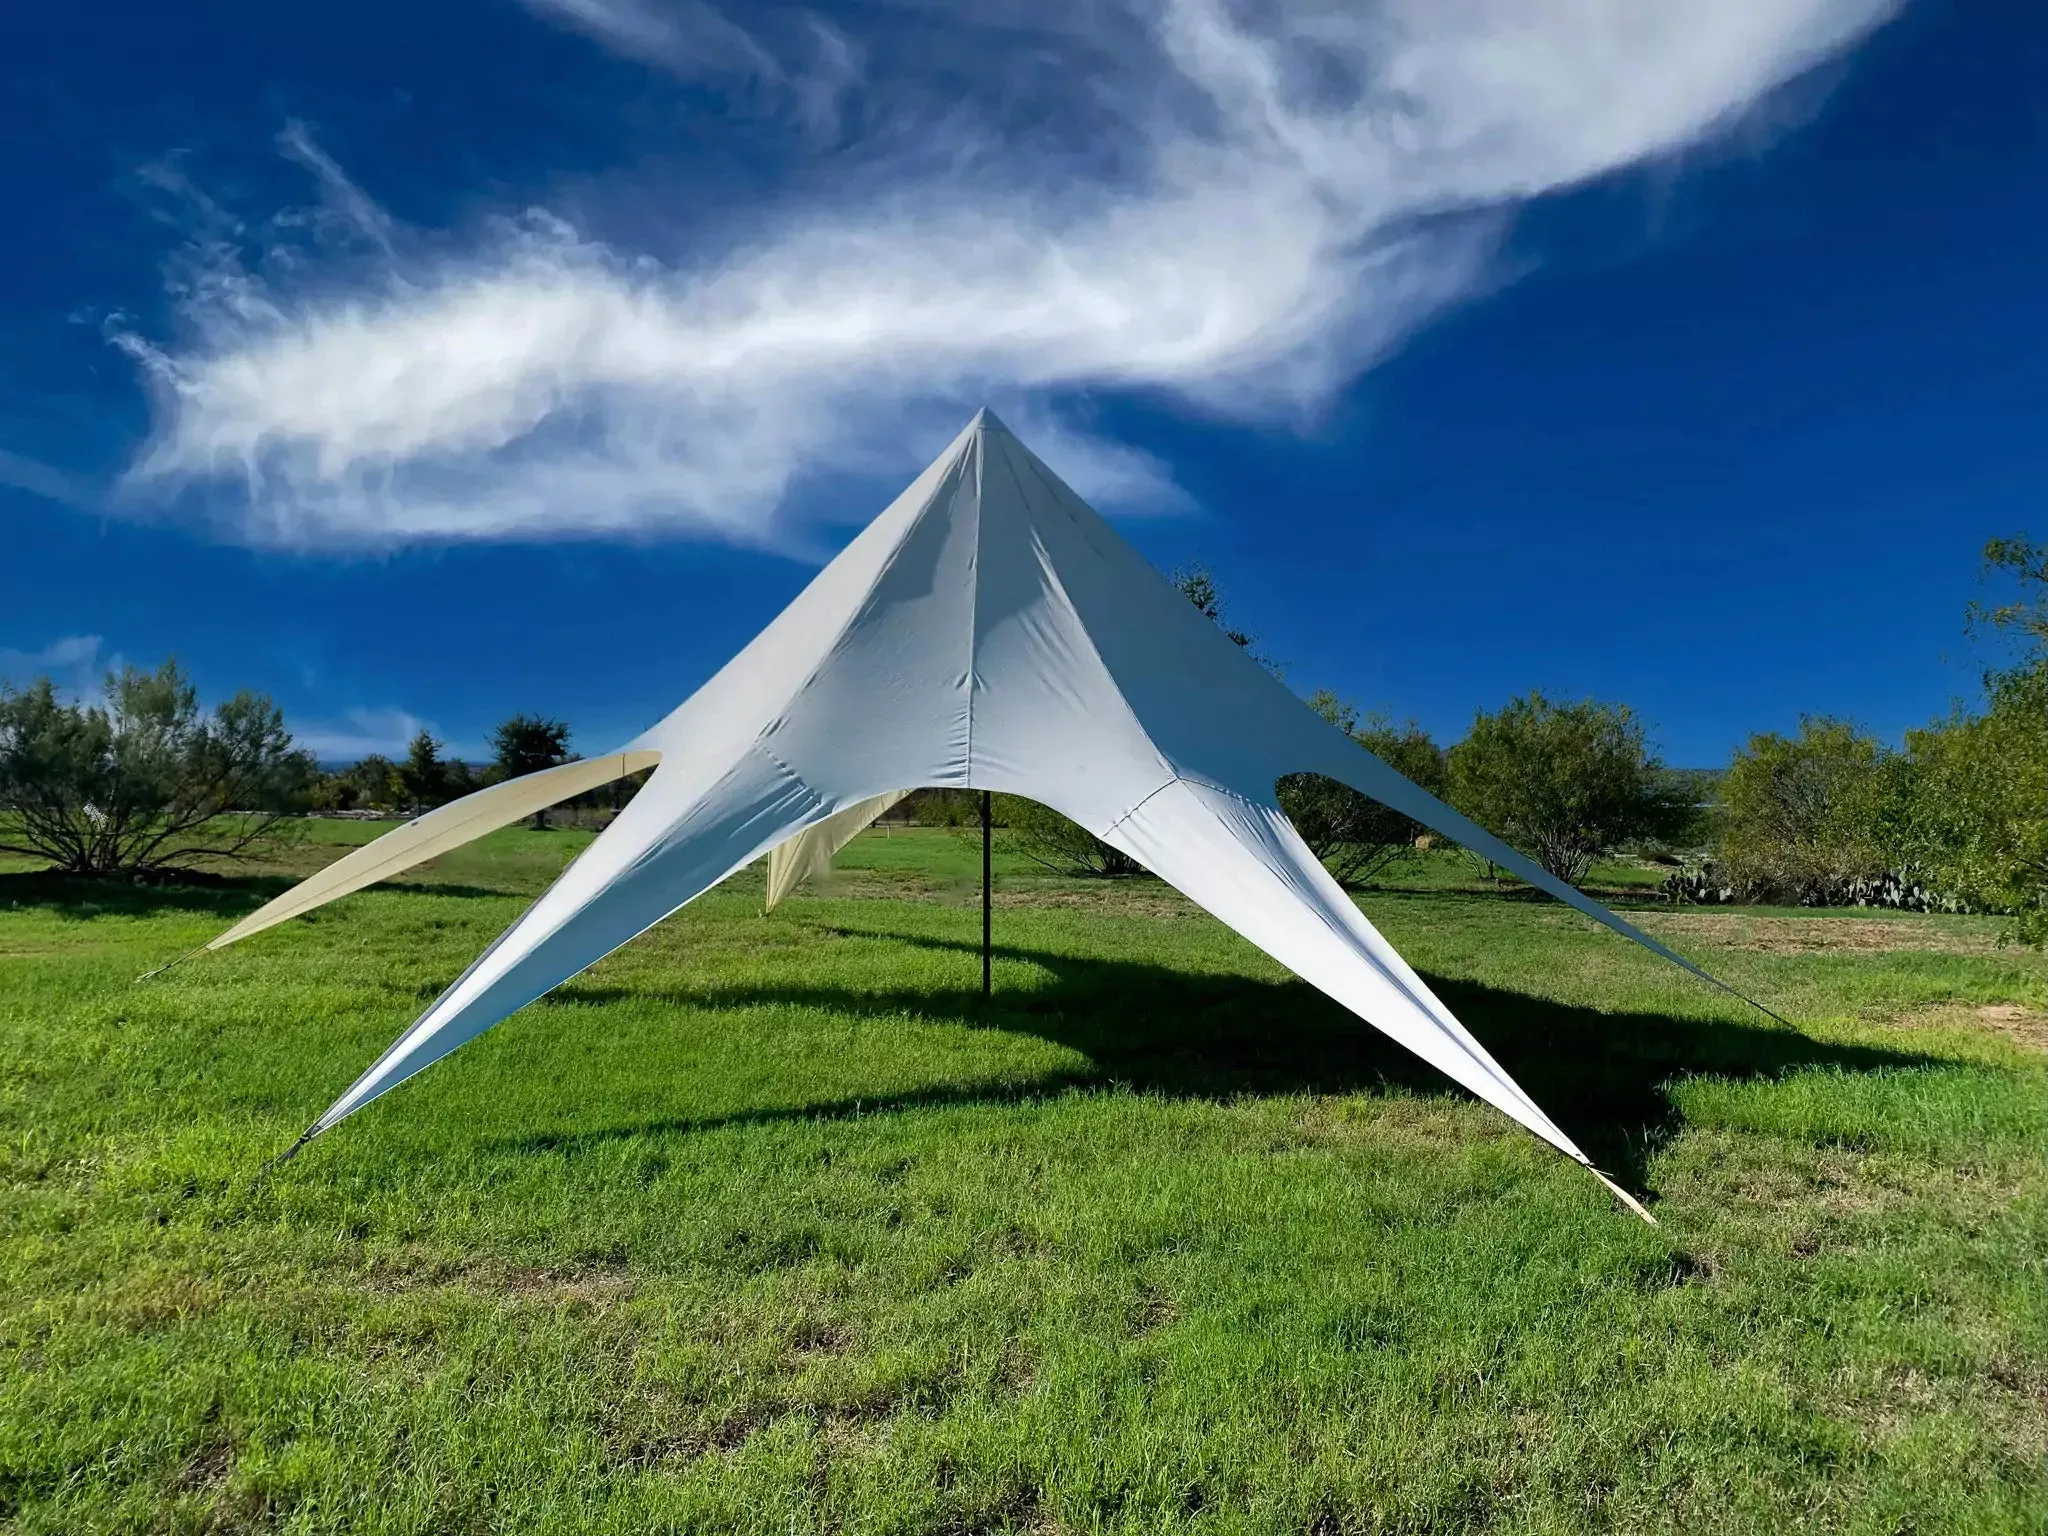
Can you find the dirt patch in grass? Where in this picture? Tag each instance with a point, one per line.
(843, 1420)
(559, 1287)
(2015, 1023)
(1151, 1308)
(2023, 1026)
(874, 885)
(1112, 898)
(1818, 935)
(144, 1302)
(2027, 1379)
(203, 1494)
(648, 1451)
(1837, 1199)
(207, 1470)
(1895, 1400)
(1411, 1125)
(817, 1339)
(585, 1286)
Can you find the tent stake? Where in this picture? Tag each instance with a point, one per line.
(180, 960)
(984, 893)
(1621, 1194)
(292, 1151)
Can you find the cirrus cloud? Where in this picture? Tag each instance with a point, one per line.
(386, 731)
(1235, 206)
(76, 665)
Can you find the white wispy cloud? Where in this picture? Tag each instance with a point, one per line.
(52, 484)
(76, 664)
(806, 71)
(690, 36)
(1237, 206)
(341, 198)
(359, 733)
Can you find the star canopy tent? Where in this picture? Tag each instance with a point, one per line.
(988, 631)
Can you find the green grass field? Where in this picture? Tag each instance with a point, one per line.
(772, 1224)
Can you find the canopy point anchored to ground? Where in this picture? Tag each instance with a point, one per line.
(988, 631)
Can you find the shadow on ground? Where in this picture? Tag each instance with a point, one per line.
(1599, 1075)
(226, 897)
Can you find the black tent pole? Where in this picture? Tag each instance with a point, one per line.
(984, 893)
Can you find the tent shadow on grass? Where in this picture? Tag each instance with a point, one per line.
(226, 897)
(1158, 1030)
(223, 896)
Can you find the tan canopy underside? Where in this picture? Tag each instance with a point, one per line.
(449, 826)
(810, 852)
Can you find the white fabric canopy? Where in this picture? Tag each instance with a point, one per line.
(439, 830)
(990, 631)
(809, 853)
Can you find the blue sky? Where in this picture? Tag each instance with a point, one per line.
(434, 362)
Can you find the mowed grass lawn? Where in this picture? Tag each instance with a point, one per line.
(772, 1224)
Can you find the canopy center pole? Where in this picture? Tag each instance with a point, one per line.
(984, 894)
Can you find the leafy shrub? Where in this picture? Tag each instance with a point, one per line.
(1980, 822)
(1562, 782)
(1354, 834)
(1037, 831)
(1980, 806)
(1808, 820)
(372, 784)
(1065, 847)
(948, 808)
(144, 782)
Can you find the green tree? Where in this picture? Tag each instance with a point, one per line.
(2024, 620)
(1980, 811)
(955, 808)
(1803, 818)
(1562, 782)
(527, 744)
(1352, 833)
(377, 783)
(331, 792)
(1050, 840)
(145, 781)
(1198, 586)
(1697, 792)
(424, 773)
(1980, 801)
(1037, 831)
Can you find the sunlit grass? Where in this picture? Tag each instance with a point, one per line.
(771, 1224)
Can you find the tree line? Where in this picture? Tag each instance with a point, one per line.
(1957, 819)
(143, 780)
(427, 777)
